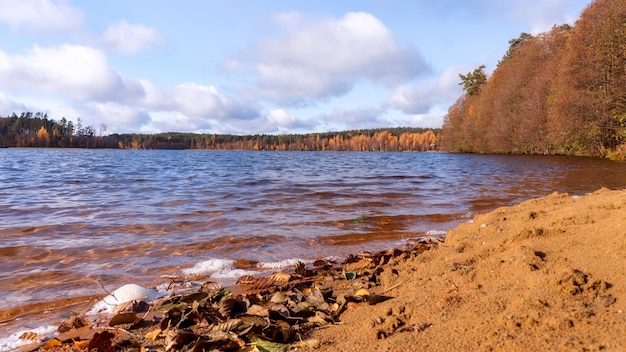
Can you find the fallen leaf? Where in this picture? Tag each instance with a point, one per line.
(357, 266)
(266, 346)
(102, 342)
(362, 293)
(211, 286)
(280, 277)
(124, 318)
(152, 335)
(52, 343)
(81, 344)
(247, 280)
(375, 299)
(31, 336)
(72, 323)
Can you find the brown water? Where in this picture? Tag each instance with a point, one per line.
(72, 220)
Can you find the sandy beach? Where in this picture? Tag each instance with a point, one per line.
(546, 274)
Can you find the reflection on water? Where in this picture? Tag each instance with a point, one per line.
(71, 217)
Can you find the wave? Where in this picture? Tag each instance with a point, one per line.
(13, 341)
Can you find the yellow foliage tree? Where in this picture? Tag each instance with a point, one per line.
(43, 137)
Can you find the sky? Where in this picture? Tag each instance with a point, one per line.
(255, 66)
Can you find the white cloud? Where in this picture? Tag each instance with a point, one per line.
(327, 58)
(40, 15)
(130, 38)
(179, 122)
(431, 120)
(117, 118)
(422, 97)
(281, 118)
(357, 118)
(199, 100)
(155, 98)
(73, 71)
(9, 106)
(196, 100)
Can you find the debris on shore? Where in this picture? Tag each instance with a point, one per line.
(276, 312)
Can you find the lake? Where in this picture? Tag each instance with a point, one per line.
(72, 220)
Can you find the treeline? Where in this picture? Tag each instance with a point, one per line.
(391, 139)
(560, 92)
(37, 130)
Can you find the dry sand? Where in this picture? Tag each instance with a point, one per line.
(547, 274)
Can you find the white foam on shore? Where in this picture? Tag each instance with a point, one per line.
(282, 264)
(224, 269)
(218, 269)
(436, 233)
(125, 293)
(13, 341)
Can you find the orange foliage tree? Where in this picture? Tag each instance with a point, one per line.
(560, 92)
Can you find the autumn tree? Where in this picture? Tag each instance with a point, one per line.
(43, 137)
(589, 111)
(560, 92)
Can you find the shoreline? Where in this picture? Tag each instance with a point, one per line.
(546, 273)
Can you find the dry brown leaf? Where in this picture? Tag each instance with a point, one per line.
(228, 326)
(176, 339)
(123, 307)
(247, 280)
(319, 262)
(32, 336)
(300, 269)
(263, 283)
(256, 309)
(360, 265)
(81, 343)
(280, 277)
(73, 323)
(375, 299)
(152, 335)
(362, 293)
(211, 286)
(102, 342)
(124, 318)
(226, 307)
(52, 343)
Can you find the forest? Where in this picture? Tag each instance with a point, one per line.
(559, 92)
(38, 130)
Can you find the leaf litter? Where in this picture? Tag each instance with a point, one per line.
(271, 313)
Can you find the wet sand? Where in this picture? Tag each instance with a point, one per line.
(549, 273)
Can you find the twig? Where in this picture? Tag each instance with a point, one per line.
(120, 329)
(102, 287)
(396, 285)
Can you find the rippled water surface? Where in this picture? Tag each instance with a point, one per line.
(71, 218)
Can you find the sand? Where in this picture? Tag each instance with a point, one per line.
(547, 274)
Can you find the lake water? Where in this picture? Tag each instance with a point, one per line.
(72, 218)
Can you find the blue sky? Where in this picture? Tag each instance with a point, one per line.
(256, 66)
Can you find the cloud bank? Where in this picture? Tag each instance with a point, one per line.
(303, 71)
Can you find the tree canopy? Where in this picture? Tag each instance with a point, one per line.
(472, 81)
(559, 92)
